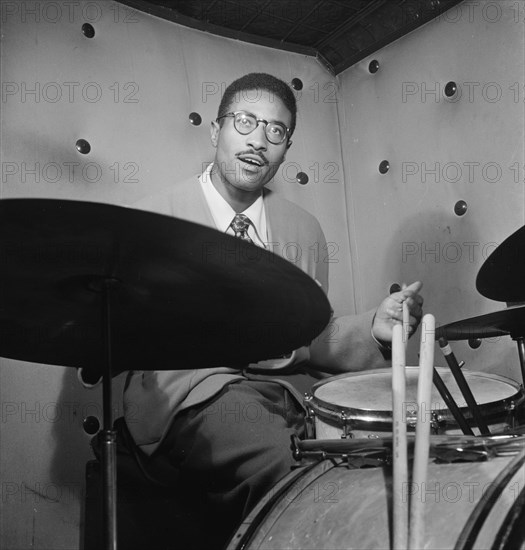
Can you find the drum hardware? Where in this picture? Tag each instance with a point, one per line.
(309, 420)
(520, 341)
(463, 386)
(345, 422)
(479, 451)
(88, 284)
(359, 457)
(505, 322)
(461, 454)
(436, 421)
(511, 417)
(456, 447)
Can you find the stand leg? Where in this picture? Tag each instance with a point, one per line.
(109, 480)
(109, 441)
(521, 352)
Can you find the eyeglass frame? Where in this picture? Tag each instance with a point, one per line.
(257, 120)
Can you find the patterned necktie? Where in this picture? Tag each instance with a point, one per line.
(240, 224)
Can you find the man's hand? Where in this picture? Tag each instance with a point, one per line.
(390, 312)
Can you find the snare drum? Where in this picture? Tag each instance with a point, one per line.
(360, 404)
(326, 505)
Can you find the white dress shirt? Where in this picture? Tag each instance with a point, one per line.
(223, 213)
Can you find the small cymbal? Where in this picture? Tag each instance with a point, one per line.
(501, 276)
(510, 321)
(182, 295)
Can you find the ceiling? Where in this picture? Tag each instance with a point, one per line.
(337, 32)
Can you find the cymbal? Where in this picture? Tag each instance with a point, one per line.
(181, 295)
(510, 321)
(501, 276)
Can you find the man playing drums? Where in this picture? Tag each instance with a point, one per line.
(192, 426)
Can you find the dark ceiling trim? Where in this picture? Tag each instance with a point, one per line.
(172, 15)
(362, 54)
(359, 16)
(303, 19)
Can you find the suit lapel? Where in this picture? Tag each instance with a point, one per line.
(195, 206)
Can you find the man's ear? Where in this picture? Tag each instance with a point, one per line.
(289, 144)
(214, 132)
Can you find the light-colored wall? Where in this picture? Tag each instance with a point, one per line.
(403, 223)
(142, 141)
(128, 91)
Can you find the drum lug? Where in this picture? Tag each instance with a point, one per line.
(296, 453)
(347, 434)
(511, 415)
(435, 422)
(309, 418)
(411, 421)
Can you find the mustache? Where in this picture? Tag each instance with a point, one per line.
(253, 153)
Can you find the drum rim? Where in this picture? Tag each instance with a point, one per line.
(331, 411)
(468, 536)
(273, 503)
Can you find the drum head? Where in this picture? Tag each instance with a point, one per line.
(327, 505)
(372, 390)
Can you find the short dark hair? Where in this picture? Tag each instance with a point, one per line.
(260, 81)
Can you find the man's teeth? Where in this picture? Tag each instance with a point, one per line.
(252, 161)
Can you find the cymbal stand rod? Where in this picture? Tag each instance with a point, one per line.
(463, 386)
(521, 350)
(451, 403)
(109, 440)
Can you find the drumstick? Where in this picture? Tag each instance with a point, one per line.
(422, 445)
(463, 386)
(451, 404)
(406, 323)
(399, 442)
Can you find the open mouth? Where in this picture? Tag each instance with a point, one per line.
(251, 160)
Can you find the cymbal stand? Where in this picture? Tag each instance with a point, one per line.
(109, 435)
(520, 340)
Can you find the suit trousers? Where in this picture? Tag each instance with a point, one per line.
(223, 456)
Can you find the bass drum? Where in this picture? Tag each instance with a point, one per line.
(326, 505)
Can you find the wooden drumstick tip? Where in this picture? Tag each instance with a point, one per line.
(422, 444)
(399, 441)
(406, 322)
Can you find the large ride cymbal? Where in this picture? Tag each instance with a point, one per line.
(182, 295)
(501, 276)
(510, 321)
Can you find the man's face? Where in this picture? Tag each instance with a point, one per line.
(246, 163)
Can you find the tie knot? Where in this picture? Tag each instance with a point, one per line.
(240, 224)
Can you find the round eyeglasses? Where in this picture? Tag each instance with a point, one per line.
(245, 123)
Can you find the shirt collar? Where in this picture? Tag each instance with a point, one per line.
(223, 213)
